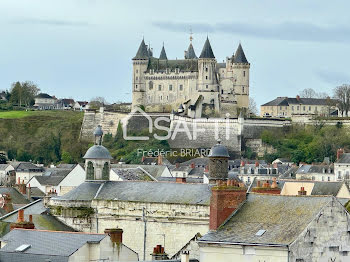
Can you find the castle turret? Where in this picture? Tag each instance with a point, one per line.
(241, 68)
(140, 63)
(207, 79)
(218, 163)
(162, 55)
(97, 159)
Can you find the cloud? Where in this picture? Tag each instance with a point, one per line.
(291, 31)
(52, 22)
(332, 77)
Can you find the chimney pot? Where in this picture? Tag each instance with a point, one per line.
(185, 256)
(20, 216)
(192, 165)
(116, 235)
(258, 183)
(177, 165)
(31, 218)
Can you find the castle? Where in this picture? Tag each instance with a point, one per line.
(195, 86)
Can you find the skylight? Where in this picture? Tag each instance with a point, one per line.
(260, 232)
(22, 248)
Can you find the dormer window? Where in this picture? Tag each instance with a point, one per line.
(167, 71)
(177, 70)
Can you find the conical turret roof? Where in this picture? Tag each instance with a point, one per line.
(190, 54)
(240, 56)
(207, 52)
(163, 54)
(142, 53)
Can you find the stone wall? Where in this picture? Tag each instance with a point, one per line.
(176, 224)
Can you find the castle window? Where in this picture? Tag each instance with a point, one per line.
(181, 87)
(105, 172)
(90, 171)
(222, 91)
(297, 107)
(167, 98)
(309, 108)
(137, 78)
(243, 73)
(137, 71)
(292, 108)
(304, 108)
(160, 87)
(206, 77)
(150, 85)
(161, 98)
(206, 69)
(207, 86)
(170, 87)
(136, 87)
(242, 89)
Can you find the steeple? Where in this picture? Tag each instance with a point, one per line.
(240, 56)
(190, 54)
(142, 52)
(163, 54)
(207, 52)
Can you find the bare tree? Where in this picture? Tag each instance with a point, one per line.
(342, 95)
(308, 93)
(252, 109)
(97, 102)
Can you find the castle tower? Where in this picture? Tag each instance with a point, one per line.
(241, 68)
(190, 54)
(207, 79)
(162, 55)
(140, 63)
(97, 159)
(218, 163)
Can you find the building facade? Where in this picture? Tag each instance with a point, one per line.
(161, 84)
(287, 107)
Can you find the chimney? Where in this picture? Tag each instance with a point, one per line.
(21, 223)
(258, 184)
(224, 200)
(298, 97)
(192, 165)
(267, 189)
(159, 253)
(256, 164)
(142, 159)
(185, 256)
(274, 183)
(302, 191)
(340, 152)
(181, 180)
(8, 207)
(206, 169)
(242, 163)
(29, 192)
(177, 164)
(160, 160)
(116, 235)
(275, 165)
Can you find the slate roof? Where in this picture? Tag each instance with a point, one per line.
(137, 191)
(239, 55)
(16, 197)
(219, 150)
(23, 257)
(199, 161)
(326, 188)
(344, 159)
(324, 169)
(285, 101)
(97, 152)
(207, 51)
(190, 54)
(142, 52)
(3, 166)
(185, 65)
(283, 217)
(134, 174)
(163, 54)
(188, 179)
(25, 166)
(53, 243)
(43, 95)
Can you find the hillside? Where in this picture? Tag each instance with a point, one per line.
(43, 136)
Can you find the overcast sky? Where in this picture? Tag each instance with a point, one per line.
(83, 48)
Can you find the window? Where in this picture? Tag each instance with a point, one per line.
(206, 77)
(105, 172)
(90, 171)
(222, 91)
(206, 69)
(206, 86)
(180, 87)
(170, 87)
(160, 87)
(137, 78)
(137, 71)
(280, 108)
(243, 73)
(292, 108)
(242, 89)
(323, 178)
(161, 97)
(136, 86)
(167, 98)
(150, 85)
(297, 107)
(309, 108)
(329, 179)
(304, 108)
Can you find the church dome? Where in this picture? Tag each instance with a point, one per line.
(97, 152)
(219, 151)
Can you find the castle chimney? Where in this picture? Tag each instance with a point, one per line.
(302, 191)
(159, 253)
(185, 256)
(340, 152)
(224, 200)
(116, 235)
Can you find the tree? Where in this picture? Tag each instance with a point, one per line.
(23, 93)
(97, 102)
(3, 159)
(310, 93)
(253, 110)
(342, 95)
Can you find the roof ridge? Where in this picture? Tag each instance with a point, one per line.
(56, 231)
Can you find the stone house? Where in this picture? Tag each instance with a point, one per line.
(321, 172)
(58, 246)
(279, 228)
(58, 180)
(45, 102)
(287, 107)
(26, 171)
(81, 105)
(5, 170)
(342, 165)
